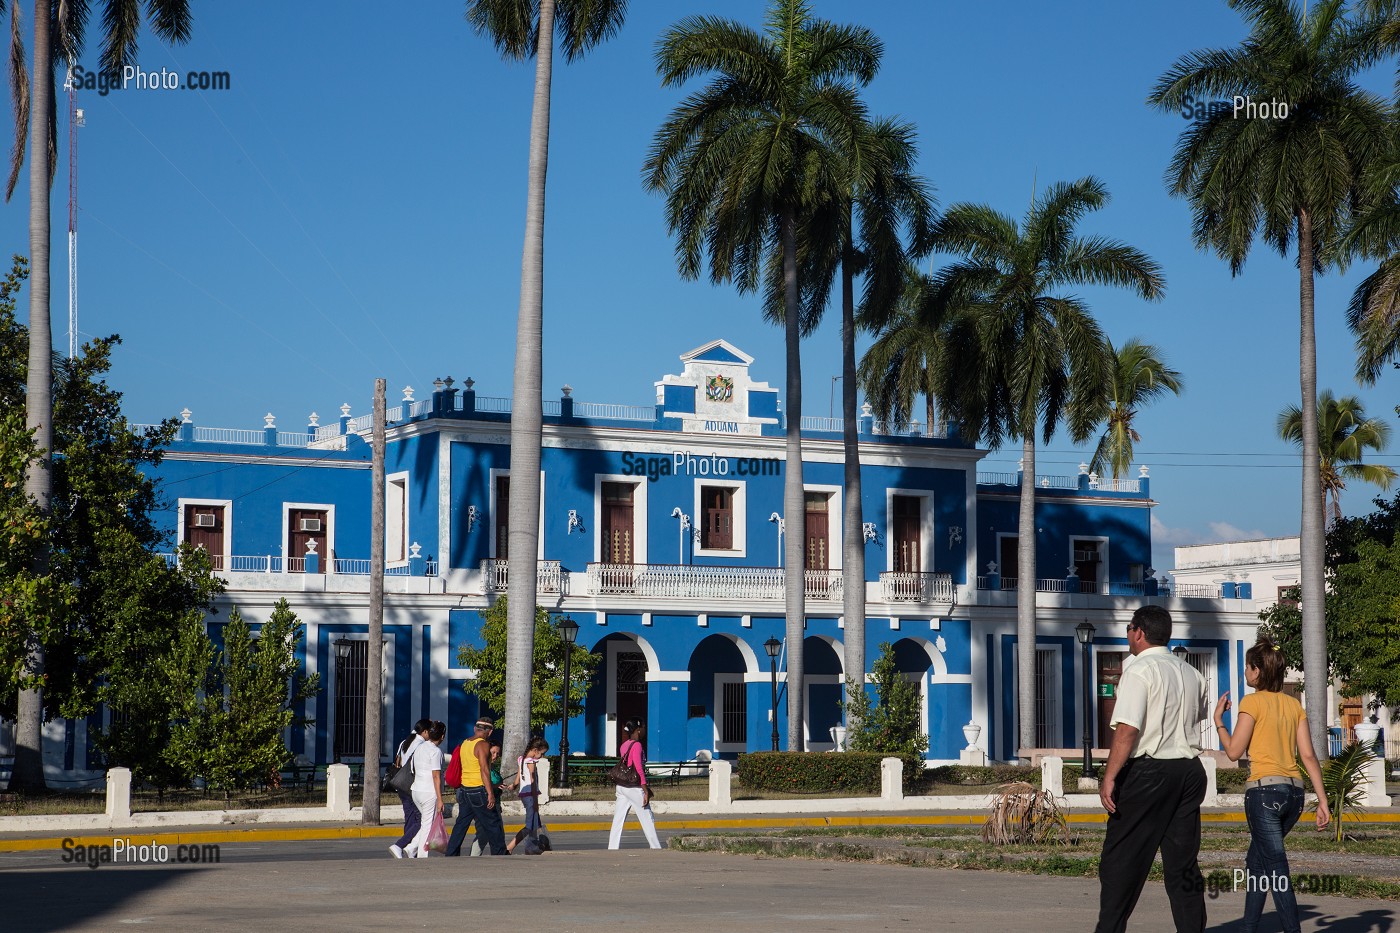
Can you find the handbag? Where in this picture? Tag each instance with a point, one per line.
(402, 779)
(624, 775)
(453, 777)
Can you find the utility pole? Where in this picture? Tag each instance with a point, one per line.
(374, 689)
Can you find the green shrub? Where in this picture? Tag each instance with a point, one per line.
(891, 722)
(810, 772)
(974, 776)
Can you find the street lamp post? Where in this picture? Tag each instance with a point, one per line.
(342, 654)
(773, 646)
(1085, 633)
(568, 631)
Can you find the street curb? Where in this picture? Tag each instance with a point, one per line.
(307, 833)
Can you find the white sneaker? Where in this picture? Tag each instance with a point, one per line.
(395, 851)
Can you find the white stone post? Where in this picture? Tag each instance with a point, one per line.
(1375, 785)
(1212, 798)
(338, 789)
(721, 784)
(1052, 775)
(891, 780)
(542, 782)
(119, 796)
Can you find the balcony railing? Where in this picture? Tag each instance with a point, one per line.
(495, 576)
(705, 582)
(899, 586)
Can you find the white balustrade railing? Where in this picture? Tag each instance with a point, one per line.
(490, 403)
(295, 564)
(817, 423)
(495, 576)
(326, 432)
(423, 406)
(1209, 590)
(293, 438)
(353, 566)
(255, 563)
(1057, 482)
(360, 423)
(613, 411)
(909, 587)
(707, 582)
(999, 479)
(1117, 485)
(229, 435)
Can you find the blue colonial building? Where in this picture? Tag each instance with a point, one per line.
(661, 533)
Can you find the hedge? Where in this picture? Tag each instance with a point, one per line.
(811, 772)
(975, 776)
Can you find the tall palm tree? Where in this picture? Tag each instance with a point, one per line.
(897, 369)
(1344, 434)
(520, 29)
(60, 29)
(857, 230)
(1020, 353)
(741, 162)
(1140, 375)
(1297, 175)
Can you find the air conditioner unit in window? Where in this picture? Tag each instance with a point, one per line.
(205, 520)
(310, 524)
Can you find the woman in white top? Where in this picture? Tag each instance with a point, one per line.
(411, 822)
(427, 787)
(527, 786)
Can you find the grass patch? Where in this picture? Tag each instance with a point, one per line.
(55, 803)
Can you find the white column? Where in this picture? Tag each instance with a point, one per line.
(119, 797)
(338, 789)
(721, 785)
(891, 780)
(1052, 775)
(1375, 785)
(1212, 788)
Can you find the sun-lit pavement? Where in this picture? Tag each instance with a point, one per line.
(353, 884)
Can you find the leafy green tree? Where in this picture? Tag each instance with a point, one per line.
(1301, 177)
(60, 28)
(743, 161)
(236, 703)
(111, 604)
(1344, 434)
(1021, 354)
(547, 689)
(892, 720)
(521, 29)
(1140, 375)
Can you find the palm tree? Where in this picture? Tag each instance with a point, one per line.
(1344, 434)
(1019, 353)
(897, 369)
(521, 29)
(1298, 174)
(1140, 375)
(60, 29)
(741, 162)
(855, 230)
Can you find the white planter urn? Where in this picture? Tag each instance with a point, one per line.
(971, 732)
(1366, 733)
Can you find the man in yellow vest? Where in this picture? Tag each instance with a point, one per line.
(476, 798)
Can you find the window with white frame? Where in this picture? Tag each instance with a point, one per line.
(396, 518)
(720, 514)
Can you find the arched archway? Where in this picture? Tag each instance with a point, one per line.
(620, 690)
(721, 700)
(823, 691)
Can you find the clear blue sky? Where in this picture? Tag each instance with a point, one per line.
(352, 207)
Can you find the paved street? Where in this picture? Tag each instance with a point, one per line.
(352, 884)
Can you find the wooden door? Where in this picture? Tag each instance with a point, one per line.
(1110, 664)
(303, 527)
(907, 527)
(817, 554)
(718, 516)
(1352, 713)
(500, 520)
(204, 528)
(617, 523)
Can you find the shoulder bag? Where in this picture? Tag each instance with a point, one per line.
(623, 774)
(402, 779)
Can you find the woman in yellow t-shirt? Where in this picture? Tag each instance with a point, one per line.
(1272, 728)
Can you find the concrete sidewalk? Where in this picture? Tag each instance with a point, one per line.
(353, 829)
(631, 889)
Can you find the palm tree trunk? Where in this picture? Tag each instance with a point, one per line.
(1025, 597)
(794, 501)
(527, 417)
(1314, 624)
(38, 481)
(852, 518)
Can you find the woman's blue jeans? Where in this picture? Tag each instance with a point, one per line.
(1271, 810)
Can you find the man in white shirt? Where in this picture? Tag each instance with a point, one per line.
(1154, 782)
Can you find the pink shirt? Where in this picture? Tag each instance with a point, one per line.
(631, 753)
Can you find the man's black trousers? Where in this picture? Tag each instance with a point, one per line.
(1159, 806)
